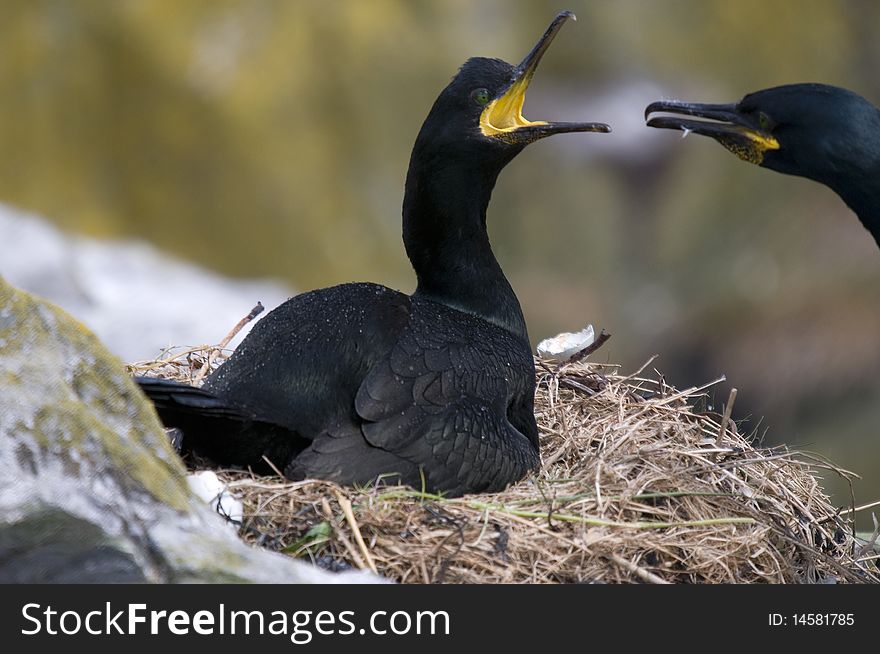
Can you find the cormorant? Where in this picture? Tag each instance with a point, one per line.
(821, 132)
(355, 382)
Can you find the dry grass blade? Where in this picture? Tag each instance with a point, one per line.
(345, 503)
(725, 420)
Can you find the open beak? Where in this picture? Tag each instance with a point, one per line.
(502, 118)
(736, 131)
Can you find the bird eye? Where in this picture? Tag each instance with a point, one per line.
(480, 96)
(764, 121)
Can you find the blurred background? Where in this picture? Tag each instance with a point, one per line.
(270, 139)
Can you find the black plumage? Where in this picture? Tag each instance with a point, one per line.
(821, 132)
(358, 381)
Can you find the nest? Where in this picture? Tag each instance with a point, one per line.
(636, 485)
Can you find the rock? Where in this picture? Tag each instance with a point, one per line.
(137, 299)
(90, 489)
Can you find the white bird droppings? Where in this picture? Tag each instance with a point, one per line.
(208, 487)
(562, 346)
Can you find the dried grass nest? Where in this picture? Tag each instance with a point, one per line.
(636, 486)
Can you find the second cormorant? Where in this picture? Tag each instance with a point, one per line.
(825, 133)
(356, 382)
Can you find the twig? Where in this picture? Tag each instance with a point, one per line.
(636, 570)
(206, 368)
(352, 552)
(688, 392)
(872, 539)
(728, 410)
(345, 503)
(592, 347)
(256, 311)
(870, 505)
(628, 378)
(272, 465)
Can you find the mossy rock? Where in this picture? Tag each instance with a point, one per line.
(91, 490)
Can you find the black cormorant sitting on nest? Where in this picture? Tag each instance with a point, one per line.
(356, 382)
(825, 133)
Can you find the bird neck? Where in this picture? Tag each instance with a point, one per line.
(864, 200)
(444, 232)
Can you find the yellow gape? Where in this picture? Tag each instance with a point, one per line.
(504, 114)
(753, 148)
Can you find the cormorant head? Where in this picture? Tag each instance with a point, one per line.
(825, 133)
(480, 112)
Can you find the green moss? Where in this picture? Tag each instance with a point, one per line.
(72, 397)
